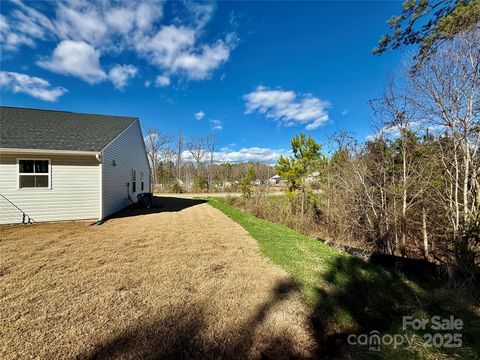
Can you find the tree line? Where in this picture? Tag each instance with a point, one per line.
(179, 164)
(413, 188)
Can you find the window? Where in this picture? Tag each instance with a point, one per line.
(33, 173)
(134, 180)
(142, 180)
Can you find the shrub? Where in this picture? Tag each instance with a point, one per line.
(200, 184)
(176, 188)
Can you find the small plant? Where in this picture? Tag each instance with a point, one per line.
(246, 183)
(200, 184)
(176, 188)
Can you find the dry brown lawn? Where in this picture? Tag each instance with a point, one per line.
(181, 281)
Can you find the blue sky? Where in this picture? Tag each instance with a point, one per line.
(255, 73)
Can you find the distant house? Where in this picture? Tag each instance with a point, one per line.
(313, 177)
(57, 165)
(226, 185)
(275, 180)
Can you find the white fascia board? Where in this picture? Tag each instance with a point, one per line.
(46, 151)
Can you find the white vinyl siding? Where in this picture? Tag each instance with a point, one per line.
(74, 191)
(125, 154)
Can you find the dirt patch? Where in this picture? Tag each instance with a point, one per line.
(181, 282)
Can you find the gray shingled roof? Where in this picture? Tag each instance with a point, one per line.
(22, 128)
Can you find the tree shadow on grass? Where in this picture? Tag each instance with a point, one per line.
(357, 298)
(183, 334)
(160, 204)
(360, 297)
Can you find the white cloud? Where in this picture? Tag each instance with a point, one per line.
(174, 50)
(162, 81)
(216, 125)
(121, 19)
(251, 154)
(24, 27)
(384, 133)
(10, 39)
(36, 16)
(344, 112)
(198, 66)
(394, 131)
(199, 115)
(27, 25)
(119, 75)
(166, 45)
(285, 107)
(107, 25)
(76, 58)
(200, 12)
(31, 85)
(111, 28)
(81, 21)
(255, 154)
(147, 13)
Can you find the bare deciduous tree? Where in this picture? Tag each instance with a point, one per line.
(155, 143)
(211, 143)
(397, 116)
(179, 152)
(447, 89)
(197, 146)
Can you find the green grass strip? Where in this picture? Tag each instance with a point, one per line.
(355, 295)
(301, 256)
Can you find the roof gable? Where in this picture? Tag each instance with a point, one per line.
(22, 128)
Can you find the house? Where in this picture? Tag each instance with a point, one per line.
(275, 180)
(58, 165)
(313, 177)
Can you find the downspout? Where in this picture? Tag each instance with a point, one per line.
(129, 198)
(100, 164)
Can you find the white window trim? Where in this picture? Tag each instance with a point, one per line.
(49, 187)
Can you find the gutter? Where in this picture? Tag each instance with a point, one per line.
(47, 151)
